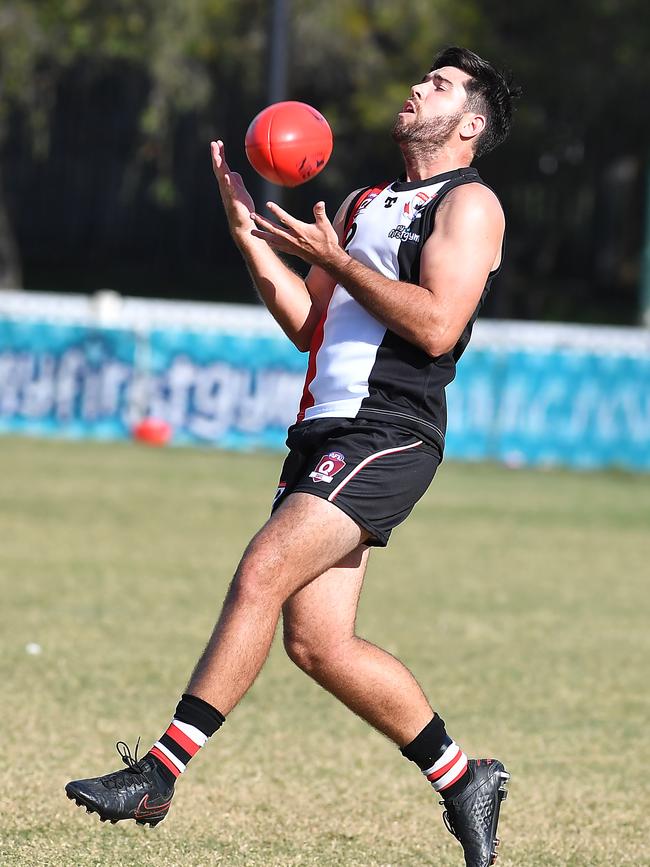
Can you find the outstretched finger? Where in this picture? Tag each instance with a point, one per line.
(265, 236)
(276, 242)
(215, 151)
(282, 215)
(320, 213)
(219, 163)
(270, 226)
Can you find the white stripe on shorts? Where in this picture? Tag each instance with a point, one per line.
(367, 461)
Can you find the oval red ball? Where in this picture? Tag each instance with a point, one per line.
(289, 143)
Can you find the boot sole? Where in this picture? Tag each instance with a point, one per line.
(91, 808)
(502, 794)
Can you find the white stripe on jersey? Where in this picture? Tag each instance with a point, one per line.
(351, 338)
(351, 335)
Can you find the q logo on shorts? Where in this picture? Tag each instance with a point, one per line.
(328, 466)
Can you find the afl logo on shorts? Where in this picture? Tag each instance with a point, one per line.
(328, 466)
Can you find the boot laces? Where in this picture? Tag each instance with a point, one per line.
(130, 761)
(447, 818)
(134, 768)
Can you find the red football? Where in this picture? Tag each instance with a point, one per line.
(289, 143)
(152, 431)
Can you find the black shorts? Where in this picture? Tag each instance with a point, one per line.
(375, 473)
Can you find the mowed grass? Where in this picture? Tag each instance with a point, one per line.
(519, 599)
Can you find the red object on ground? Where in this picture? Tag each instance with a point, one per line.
(152, 431)
(288, 143)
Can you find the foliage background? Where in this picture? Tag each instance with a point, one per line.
(107, 108)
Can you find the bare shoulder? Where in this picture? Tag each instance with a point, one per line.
(471, 203)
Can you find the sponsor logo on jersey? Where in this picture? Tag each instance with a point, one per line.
(328, 466)
(402, 233)
(413, 208)
(365, 202)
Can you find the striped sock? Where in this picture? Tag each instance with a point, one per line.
(194, 722)
(448, 770)
(439, 758)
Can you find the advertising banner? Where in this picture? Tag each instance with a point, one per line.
(565, 407)
(224, 389)
(217, 389)
(521, 404)
(65, 379)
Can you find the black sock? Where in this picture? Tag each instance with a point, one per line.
(194, 722)
(442, 762)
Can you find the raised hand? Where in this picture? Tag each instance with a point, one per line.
(236, 199)
(316, 243)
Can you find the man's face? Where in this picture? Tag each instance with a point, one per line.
(435, 108)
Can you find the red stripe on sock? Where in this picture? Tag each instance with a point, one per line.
(437, 774)
(166, 762)
(182, 740)
(455, 780)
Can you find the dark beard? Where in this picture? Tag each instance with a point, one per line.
(427, 135)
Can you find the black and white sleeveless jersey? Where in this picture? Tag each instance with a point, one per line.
(358, 368)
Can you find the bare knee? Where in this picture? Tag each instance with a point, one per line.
(314, 654)
(264, 576)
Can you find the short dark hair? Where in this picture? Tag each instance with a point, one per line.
(489, 91)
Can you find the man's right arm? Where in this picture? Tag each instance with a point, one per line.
(296, 304)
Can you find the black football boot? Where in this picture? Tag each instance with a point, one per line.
(473, 815)
(138, 792)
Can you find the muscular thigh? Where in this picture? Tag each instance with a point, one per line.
(305, 537)
(326, 609)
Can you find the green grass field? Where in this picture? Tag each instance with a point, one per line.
(519, 599)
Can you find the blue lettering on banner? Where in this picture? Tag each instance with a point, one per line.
(544, 407)
(234, 392)
(562, 407)
(56, 379)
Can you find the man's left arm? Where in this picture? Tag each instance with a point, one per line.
(455, 262)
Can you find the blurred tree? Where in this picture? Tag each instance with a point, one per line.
(123, 95)
(573, 171)
(171, 45)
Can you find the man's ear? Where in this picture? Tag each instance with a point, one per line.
(473, 125)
